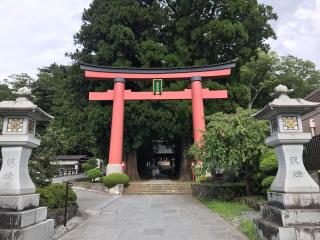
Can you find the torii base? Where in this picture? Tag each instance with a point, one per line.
(114, 168)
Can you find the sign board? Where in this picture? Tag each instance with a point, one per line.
(157, 86)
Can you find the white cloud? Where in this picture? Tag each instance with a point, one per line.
(36, 33)
(297, 28)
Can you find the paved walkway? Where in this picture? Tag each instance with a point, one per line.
(171, 217)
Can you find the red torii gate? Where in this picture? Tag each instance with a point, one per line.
(119, 95)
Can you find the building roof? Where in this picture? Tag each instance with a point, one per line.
(71, 157)
(313, 96)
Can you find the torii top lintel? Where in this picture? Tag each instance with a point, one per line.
(109, 73)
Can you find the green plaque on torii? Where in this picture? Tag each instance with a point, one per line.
(157, 86)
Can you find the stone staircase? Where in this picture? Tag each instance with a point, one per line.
(158, 187)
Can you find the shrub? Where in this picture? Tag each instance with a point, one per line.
(53, 195)
(268, 161)
(94, 173)
(266, 182)
(92, 162)
(87, 167)
(116, 178)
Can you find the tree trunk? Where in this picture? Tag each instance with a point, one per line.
(132, 166)
(185, 163)
(248, 181)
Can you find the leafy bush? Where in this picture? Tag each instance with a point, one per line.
(268, 161)
(268, 167)
(53, 195)
(92, 162)
(266, 182)
(116, 178)
(94, 173)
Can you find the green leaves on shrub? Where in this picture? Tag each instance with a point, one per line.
(53, 195)
(266, 182)
(90, 164)
(94, 173)
(268, 161)
(115, 178)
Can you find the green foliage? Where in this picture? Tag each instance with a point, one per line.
(149, 34)
(43, 165)
(53, 195)
(227, 210)
(233, 142)
(90, 164)
(267, 170)
(92, 174)
(116, 178)
(267, 181)
(268, 161)
(5, 93)
(233, 211)
(262, 73)
(248, 228)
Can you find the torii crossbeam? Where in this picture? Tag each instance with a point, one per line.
(119, 95)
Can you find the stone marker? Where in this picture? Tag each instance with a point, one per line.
(293, 210)
(21, 217)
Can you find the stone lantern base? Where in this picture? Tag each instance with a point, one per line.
(290, 216)
(21, 218)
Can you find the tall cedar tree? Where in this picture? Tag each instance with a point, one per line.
(154, 33)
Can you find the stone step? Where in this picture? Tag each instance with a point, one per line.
(291, 217)
(158, 188)
(22, 219)
(271, 231)
(40, 231)
(155, 193)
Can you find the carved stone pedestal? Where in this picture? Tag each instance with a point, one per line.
(290, 216)
(21, 218)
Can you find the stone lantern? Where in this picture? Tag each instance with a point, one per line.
(293, 210)
(20, 214)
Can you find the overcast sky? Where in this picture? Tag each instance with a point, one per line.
(36, 33)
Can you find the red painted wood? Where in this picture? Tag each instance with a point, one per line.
(199, 125)
(169, 95)
(116, 138)
(184, 75)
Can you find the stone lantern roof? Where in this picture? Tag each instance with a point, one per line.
(23, 107)
(284, 104)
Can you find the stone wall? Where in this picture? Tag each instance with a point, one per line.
(215, 191)
(58, 213)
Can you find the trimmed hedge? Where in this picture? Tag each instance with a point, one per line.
(116, 178)
(53, 195)
(94, 173)
(224, 191)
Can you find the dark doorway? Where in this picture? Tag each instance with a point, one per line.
(157, 162)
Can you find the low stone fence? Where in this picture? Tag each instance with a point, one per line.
(225, 191)
(58, 213)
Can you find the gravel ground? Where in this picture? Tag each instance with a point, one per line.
(71, 224)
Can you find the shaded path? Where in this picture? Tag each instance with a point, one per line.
(172, 217)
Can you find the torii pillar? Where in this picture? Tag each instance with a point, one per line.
(116, 139)
(197, 109)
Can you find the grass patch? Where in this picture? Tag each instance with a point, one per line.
(231, 210)
(247, 227)
(227, 210)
